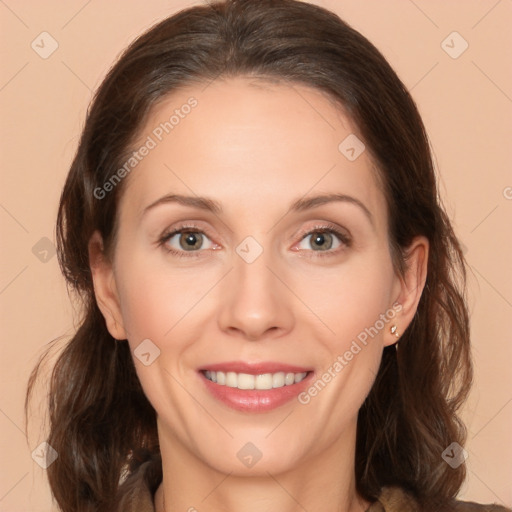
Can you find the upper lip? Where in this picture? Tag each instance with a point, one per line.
(254, 368)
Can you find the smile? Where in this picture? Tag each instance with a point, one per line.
(255, 387)
(260, 381)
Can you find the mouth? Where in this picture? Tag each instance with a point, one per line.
(255, 387)
(260, 381)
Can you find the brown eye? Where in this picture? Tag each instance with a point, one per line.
(191, 241)
(186, 240)
(320, 241)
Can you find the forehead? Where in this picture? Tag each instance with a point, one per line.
(250, 143)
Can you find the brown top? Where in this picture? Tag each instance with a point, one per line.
(138, 497)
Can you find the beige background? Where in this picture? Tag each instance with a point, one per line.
(466, 103)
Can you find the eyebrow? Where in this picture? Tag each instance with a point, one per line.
(313, 202)
(300, 205)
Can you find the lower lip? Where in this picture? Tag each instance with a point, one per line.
(255, 400)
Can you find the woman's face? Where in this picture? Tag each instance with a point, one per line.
(253, 245)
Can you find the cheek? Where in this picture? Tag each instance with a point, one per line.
(159, 307)
(146, 307)
(154, 297)
(350, 299)
(355, 305)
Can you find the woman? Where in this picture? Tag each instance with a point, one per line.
(274, 313)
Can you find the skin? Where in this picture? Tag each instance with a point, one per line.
(254, 147)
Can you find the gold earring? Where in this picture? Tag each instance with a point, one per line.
(394, 331)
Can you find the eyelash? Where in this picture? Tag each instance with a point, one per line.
(325, 228)
(166, 236)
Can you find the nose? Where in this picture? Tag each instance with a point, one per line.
(255, 305)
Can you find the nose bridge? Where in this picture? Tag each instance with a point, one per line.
(253, 278)
(254, 302)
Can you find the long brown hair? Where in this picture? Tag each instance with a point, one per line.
(101, 423)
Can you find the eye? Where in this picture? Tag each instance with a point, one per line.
(320, 241)
(323, 239)
(186, 240)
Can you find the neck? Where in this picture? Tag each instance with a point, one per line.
(324, 482)
(354, 504)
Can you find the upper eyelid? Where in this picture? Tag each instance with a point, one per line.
(329, 227)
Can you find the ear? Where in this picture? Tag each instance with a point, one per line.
(409, 287)
(105, 289)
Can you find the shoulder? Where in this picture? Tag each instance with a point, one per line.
(395, 499)
(466, 506)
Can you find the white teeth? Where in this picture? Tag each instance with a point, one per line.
(245, 381)
(278, 380)
(289, 379)
(231, 380)
(261, 381)
(221, 378)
